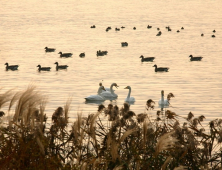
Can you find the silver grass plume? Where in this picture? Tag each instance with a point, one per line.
(165, 142)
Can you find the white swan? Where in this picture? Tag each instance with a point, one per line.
(128, 98)
(96, 97)
(110, 92)
(162, 102)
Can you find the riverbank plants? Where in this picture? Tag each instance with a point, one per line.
(112, 138)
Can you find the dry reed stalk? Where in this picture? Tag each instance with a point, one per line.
(114, 150)
(180, 168)
(165, 142)
(127, 133)
(92, 123)
(167, 161)
(41, 146)
(67, 108)
(118, 167)
(144, 130)
(42, 110)
(14, 99)
(84, 166)
(109, 140)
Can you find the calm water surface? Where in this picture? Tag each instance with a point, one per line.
(29, 26)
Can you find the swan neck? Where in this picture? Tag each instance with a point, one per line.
(162, 98)
(129, 93)
(111, 88)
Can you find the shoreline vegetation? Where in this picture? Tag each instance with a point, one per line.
(113, 138)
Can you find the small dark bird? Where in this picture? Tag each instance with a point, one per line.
(108, 28)
(146, 59)
(65, 54)
(11, 67)
(122, 27)
(149, 26)
(43, 68)
(160, 69)
(178, 30)
(58, 67)
(124, 44)
(169, 29)
(101, 53)
(93, 26)
(159, 33)
(214, 31)
(82, 55)
(213, 36)
(195, 58)
(134, 28)
(158, 29)
(49, 49)
(117, 29)
(182, 28)
(202, 34)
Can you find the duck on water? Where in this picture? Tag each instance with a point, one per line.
(146, 59)
(161, 69)
(11, 67)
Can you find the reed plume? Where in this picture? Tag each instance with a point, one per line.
(167, 141)
(5, 97)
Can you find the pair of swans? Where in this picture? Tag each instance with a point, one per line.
(103, 94)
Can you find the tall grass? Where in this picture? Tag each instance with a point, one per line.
(109, 139)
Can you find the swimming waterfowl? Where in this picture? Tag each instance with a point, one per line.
(195, 58)
(178, 30)
(147, 58)
(129, 98)
(96, 97)
(43, 68)
(65, 54)
(182, 28)
(93, 26)
(122, 27)
(159, 33)
(214, 30)
(58, 67)
(82, 55)
(160, 69)
(213, 36)
(134, 28)
(163, 103)
(110, 93)
(202, 34)
(49, 49)
(124, 44)
(101, 53)
(117, 29)
(149, 26)
(11, 67)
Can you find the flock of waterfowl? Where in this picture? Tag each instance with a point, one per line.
(108, 93)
